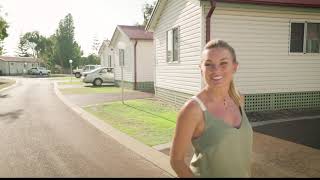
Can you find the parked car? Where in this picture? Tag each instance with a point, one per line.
(39, 71)
(99, 76)
(79, 72)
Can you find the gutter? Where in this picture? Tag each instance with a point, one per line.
(208, 20)
(135, 65)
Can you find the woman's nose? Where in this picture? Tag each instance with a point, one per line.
(214, 67)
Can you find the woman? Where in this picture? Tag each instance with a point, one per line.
(214, 121)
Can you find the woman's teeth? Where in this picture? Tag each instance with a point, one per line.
(217, 78)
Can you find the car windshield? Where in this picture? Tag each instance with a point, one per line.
(94, 70)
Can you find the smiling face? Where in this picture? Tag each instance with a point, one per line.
(218, 66)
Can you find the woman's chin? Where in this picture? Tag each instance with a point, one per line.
(217, 84)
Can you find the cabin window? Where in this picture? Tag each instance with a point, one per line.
(305, 38)
(173, 43)
(313, 38)
(109, 61)
(297, 36)
(121, 57)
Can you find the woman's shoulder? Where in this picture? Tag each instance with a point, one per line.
(191, 106)
(191, 109)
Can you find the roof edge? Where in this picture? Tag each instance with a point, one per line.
(155, 15)
(115, 34)
(288, 3)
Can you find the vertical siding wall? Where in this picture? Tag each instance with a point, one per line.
(3, 68)
(145, 61)
(104, 57)
(16, 68)
(128, 60)
(260, 36)
(269, 76)
(109, 53)
(184, 76)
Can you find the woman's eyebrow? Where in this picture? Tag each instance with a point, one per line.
(222, 59)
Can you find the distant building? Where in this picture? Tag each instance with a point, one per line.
(12, 66)
(105, 54)
(133, 52)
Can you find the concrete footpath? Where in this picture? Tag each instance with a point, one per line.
(272, 156)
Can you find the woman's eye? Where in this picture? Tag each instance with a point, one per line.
(224, 63)
(207, 64)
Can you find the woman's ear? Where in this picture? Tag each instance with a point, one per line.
(200, 69)
(235, 67)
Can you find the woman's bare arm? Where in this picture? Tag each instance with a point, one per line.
(187, 121)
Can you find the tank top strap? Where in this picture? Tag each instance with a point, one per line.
(202, 106)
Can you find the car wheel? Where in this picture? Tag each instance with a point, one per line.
(78, 75)
(97, 82)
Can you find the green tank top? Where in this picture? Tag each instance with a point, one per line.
(222, 150)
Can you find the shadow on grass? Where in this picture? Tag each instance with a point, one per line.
(149, 113)
(97, 87)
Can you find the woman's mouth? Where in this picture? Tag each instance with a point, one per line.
(217, 78)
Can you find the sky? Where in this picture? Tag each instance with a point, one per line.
(93, 19)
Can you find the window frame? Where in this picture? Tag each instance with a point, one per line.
(109, 61)
(172, 60)
(305, 24)
(306, 28)
(121, 58)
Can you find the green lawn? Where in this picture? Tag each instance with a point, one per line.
(6, 83)
(146, 120)
(93, 90)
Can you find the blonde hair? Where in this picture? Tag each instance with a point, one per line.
(218, 43)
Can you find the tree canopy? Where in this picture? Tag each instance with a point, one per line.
(147, 11)
(57, 49)
(66, 47)
(3, 32)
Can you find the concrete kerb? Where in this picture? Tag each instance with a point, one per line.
(9, 87)
(152, 155)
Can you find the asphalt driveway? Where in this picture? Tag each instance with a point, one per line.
(304, 132)
(42, 137)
